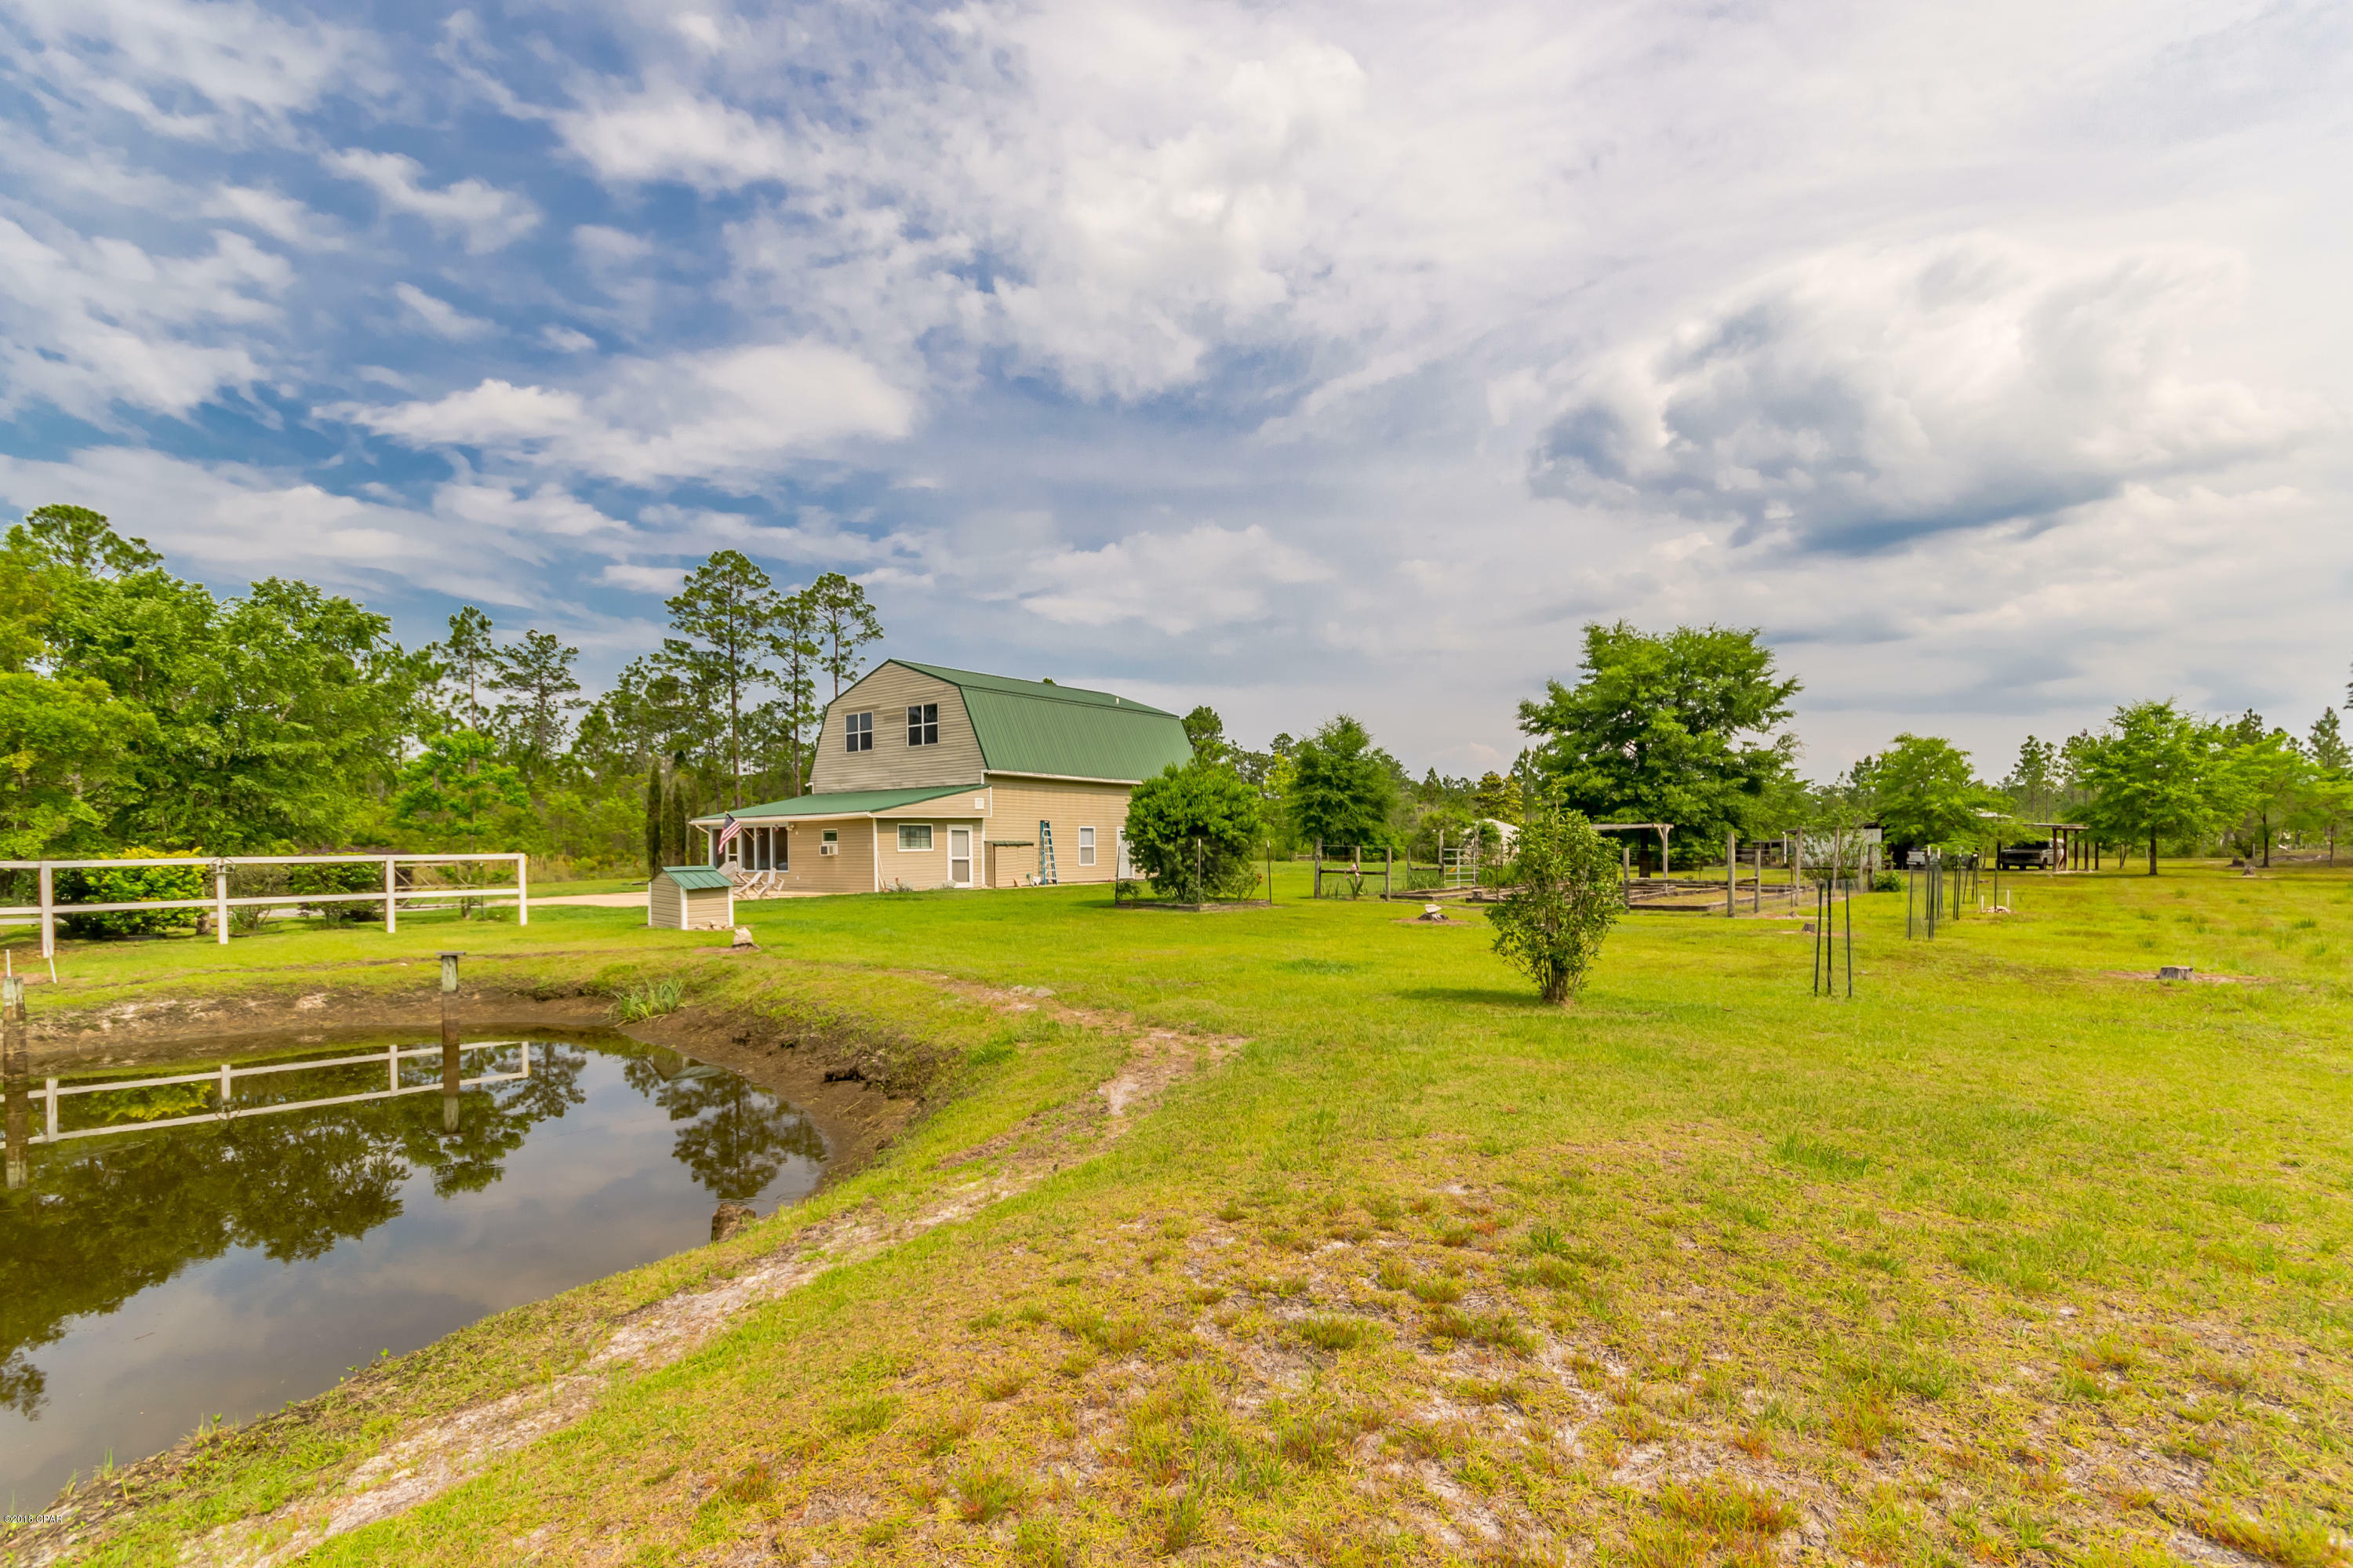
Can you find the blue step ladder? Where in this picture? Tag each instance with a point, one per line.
(1046, 872)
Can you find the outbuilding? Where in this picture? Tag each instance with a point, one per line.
(690, 898)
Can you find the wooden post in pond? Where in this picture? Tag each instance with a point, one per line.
(450, 1041)
(14, 1084)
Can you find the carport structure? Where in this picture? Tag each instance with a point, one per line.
(2072, 847)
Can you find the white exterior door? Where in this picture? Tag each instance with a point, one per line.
(960, 856)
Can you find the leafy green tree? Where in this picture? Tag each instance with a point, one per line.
(793, 645)
(1342, 788)
(83, 542)
(1929, 794)
(1207, 732)
(2327, 744)
(1666, 728)
(64, 750)
(1565, 896)
(457, 787)
(723, 617)
(537, 674)
(1195, 830)
(2267, 772)
(1497, 796)
(2034, 780)
(845, 623)
(470, 658)
(2156, 773)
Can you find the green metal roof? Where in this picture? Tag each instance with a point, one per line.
(698, 877)
(842, 803)
(1029, 726)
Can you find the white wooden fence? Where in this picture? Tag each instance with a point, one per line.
(220, 903)
(226, 1076)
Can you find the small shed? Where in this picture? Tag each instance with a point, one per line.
(690, 898)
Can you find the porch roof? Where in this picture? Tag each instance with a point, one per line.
(840, 803)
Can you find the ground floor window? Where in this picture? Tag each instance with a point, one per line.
(914, 835)
(1086, 846)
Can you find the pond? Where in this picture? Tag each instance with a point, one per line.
(177, 1265)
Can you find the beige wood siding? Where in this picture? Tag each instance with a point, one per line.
(668, 909)
(927, 868)
(893, 764)
(1019, 804)
(706, 909)
(851, 871)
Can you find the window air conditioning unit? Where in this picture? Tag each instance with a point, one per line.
(828, 849)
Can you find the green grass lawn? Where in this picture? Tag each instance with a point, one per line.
(2014, 1258)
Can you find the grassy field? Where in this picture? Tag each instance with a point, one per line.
(2017, 1258)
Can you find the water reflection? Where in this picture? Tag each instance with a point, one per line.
(265, 1252)
(737, 1138)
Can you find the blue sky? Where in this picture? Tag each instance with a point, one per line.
(1991, 357)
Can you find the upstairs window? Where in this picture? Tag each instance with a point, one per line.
(860, 731)
(923, 724)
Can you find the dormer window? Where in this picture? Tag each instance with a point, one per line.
(860, 728)
(923, 724)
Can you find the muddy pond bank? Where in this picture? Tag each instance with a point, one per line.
(860, 1089)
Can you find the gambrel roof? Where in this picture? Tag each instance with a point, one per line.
(1064, 732)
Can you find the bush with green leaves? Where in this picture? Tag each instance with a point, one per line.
(125, 884)
(1565, 897)
(1195, 830)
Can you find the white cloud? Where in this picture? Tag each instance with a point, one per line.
(280, 216)
(721, 416)
(1177, 583)
(565, 340)
(488, 217)
(669, 134)
(1865, 399)
(662, 580)
(87, 324)
(206, 69)
(441, 318)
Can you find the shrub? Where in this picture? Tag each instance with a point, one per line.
(1565, 898)
(1195, 831)
(126, 885)
(650, 999)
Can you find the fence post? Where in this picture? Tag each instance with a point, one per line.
(220, 899)
(225, 1073)
(1731, 874)
(51, 1121)
(49, 913)
(18, 1113)
(391, 905)
(523, 889)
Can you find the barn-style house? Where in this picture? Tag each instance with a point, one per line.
(928, 777)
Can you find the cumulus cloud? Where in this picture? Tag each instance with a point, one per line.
(722, 417)
(1861, 399)
(487, 218)
(1205, 577)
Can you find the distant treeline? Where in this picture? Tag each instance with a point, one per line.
(138, 711)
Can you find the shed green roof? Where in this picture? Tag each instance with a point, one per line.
(700, 879)
(1069, 732)
(842, 803)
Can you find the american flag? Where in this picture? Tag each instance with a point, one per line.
(728, 832)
